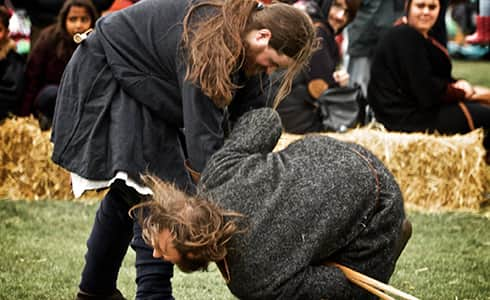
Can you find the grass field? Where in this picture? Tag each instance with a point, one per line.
(42, 246)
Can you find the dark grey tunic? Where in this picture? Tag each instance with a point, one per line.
(123, 98)
(318, 200)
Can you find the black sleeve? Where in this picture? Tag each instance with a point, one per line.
(11, 83)
(253, 94)
(203, 123)
(324, 60)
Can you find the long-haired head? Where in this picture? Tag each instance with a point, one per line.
(90, 12)
(199, 230)
(216, 44)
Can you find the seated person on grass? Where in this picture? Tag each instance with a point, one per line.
(271, 220)
(412, 88)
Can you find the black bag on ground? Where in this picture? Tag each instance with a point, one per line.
(342, 108)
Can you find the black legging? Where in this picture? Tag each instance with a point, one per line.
(113, 231)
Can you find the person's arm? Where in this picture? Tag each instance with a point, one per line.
(35, 73)
(255, 133)
(203, 123)
(12, 82)
(322, 64)
(253, 94)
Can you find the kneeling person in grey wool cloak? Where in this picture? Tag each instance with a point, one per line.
(272, 219)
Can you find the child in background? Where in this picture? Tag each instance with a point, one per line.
(11, 69)
(49, 57)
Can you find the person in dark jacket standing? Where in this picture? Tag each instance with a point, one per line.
(152, 86)
(412, 88)
(299, 110)
(272, 219)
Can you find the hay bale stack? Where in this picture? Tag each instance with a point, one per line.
(26, 170)
(434, 171)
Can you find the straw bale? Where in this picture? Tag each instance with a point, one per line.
(434, 171)
(26, 169)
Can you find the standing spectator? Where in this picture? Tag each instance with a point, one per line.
(482, 34)
(411, 87)
(49, 57)
(299, 110)
(11, 69)
(373, 19)
(145, 73)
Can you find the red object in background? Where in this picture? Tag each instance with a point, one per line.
(482, 33)
(339, 39)
(120, 4)
(266, 1)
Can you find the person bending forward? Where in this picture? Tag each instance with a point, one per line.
(271, 220)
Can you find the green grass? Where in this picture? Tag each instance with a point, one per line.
(476, 72)
(43, 244)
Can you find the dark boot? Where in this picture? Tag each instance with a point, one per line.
(86, 296)
(482, 33)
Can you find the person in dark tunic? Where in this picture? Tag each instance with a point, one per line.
(411, 87)
(272, 219)
(50, 55)
(299, 111)
(150, 87)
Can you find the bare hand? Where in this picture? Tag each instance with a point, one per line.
(341, 77)
(466, 87)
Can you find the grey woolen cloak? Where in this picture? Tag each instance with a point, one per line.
(318, 200)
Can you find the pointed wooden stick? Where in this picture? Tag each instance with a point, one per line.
(371, 289)
(357, 278)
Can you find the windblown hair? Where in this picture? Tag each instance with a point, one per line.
(215, 44)
(65, 46)
(197, 225)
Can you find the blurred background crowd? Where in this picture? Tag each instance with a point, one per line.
(404, 73)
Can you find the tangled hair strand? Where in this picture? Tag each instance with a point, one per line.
(198, 226)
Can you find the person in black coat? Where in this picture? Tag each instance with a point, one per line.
(299, 111)
(152, 89)
(12, 67)
(411, 87)
(271, 220)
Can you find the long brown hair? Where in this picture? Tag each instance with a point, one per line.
(198, 226)
(57, 32)
(215, 45)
